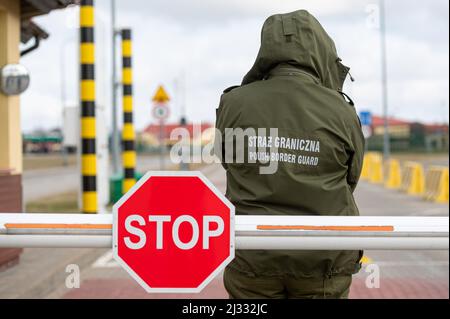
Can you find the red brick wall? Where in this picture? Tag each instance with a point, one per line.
(10, 202)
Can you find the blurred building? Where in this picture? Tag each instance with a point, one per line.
(409, 136)
(436, 137)
(16, 27)
(150, 137)
(43, 141)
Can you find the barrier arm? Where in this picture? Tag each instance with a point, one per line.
(251, 232)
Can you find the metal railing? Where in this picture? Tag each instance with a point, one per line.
(251, 232)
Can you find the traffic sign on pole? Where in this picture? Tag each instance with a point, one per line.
(160, 111)
(173, 232)
(365, 118)
(367, 131)
(161, 95)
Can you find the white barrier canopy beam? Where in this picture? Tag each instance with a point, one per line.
(251, 232)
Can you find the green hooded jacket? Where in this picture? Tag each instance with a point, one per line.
(294, 86)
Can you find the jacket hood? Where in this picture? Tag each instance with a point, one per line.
(298, 39)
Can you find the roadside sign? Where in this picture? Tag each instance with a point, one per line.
(161, 95)
(160, 112)
(173, 232)
(367, 131)
(365, 117)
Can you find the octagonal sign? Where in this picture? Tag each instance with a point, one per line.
(173, 231)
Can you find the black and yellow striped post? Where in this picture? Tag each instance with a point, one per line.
(87, 97)
(128, 134)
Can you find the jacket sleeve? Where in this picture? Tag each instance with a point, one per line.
(357, 154)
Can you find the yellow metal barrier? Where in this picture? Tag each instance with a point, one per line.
(365, 168)
(372, 169)
(376, 168)
(413, 179)
(394, 176)
(437, 184)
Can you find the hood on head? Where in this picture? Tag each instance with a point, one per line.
(298, 39)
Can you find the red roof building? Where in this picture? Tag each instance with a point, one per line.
(194, 129)
(379, 121)
(436, 128)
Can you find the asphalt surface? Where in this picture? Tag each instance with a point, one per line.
(402, 274)
(51, 181)
(425, 160)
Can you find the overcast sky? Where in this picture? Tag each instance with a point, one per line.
(210, 45)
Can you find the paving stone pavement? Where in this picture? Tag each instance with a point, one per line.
(41, 270)
(118, 286)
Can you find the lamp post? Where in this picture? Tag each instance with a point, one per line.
(384, 80)
(114, 135)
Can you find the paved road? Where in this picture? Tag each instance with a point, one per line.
(403, 274)
(46, 182)
(425, 159)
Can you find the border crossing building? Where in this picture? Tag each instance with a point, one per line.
(16, 27)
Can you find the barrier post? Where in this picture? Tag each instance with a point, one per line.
(87, 99)
(128, 134)
(443, 193)
(436, 184)
(376, 169)
(413, 180)
(366, 167)
(251, 232)
(394, 179)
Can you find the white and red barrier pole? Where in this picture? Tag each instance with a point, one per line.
(252, 232)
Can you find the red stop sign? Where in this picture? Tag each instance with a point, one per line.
(173, 232)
